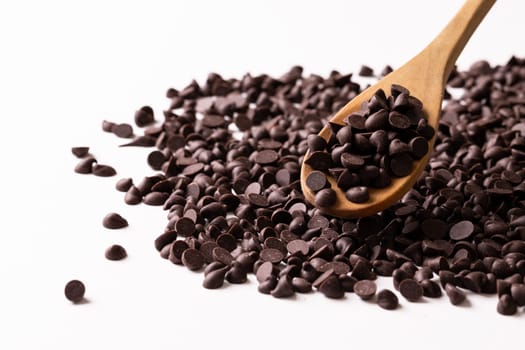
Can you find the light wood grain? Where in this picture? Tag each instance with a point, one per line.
(425, 76)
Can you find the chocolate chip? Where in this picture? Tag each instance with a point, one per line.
(461, 230)
(357, 194)
(398, 121)
(103, 170)
(75, 291)
(401, 164)
(215, 279)
(115, 252)
(297, 247)
(114, 221)
(222, 255)
(267, 285)
(506, 305)
(272, 255)
(325, 198)
(366, 71)
(319, 160)
(455, 295)
(331, 288)
(316, 181)
(192, 259)
(237, 274)
(387, 299)
(266, 157)
(144, 116)
(123, 130)
(155, 198)
(283, 289)
(430, 289)
(133, 196)
(141, 141)
(80, 152)
(365, 289)
(85, 166)
(411, 290)
(107, 125)
(185, 227)
(301, 285)
(123, 185)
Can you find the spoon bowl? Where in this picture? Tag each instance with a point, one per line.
(425, 76)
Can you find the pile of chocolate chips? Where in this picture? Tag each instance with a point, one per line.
(234, 204)
(379, 142)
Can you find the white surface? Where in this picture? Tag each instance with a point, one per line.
(65, 66)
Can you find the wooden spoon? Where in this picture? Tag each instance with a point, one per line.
(425, 76)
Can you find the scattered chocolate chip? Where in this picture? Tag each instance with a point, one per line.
(144, 116)
(123, 130)
(114, 221)
(123, 185)
(103, 170)
(116, 252)
(75, 291)
(85, 166)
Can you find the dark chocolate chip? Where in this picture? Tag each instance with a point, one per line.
(357, 194)
(365, 289)
(85, 166)
(123, 130)
(506, 305)
(144, 116)
(316, 181)
(80, 152)
(331, 288)
(387, 299)
(75, 291)
(411, 290)
(114, 221)
(455, 295)
(115, 252)
(325, 198)
(461, 230)
(123, 185)
(103, 170)
(192, 259)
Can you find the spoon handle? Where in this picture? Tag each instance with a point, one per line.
(447, 46)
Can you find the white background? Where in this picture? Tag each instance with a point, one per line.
(67, 65)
